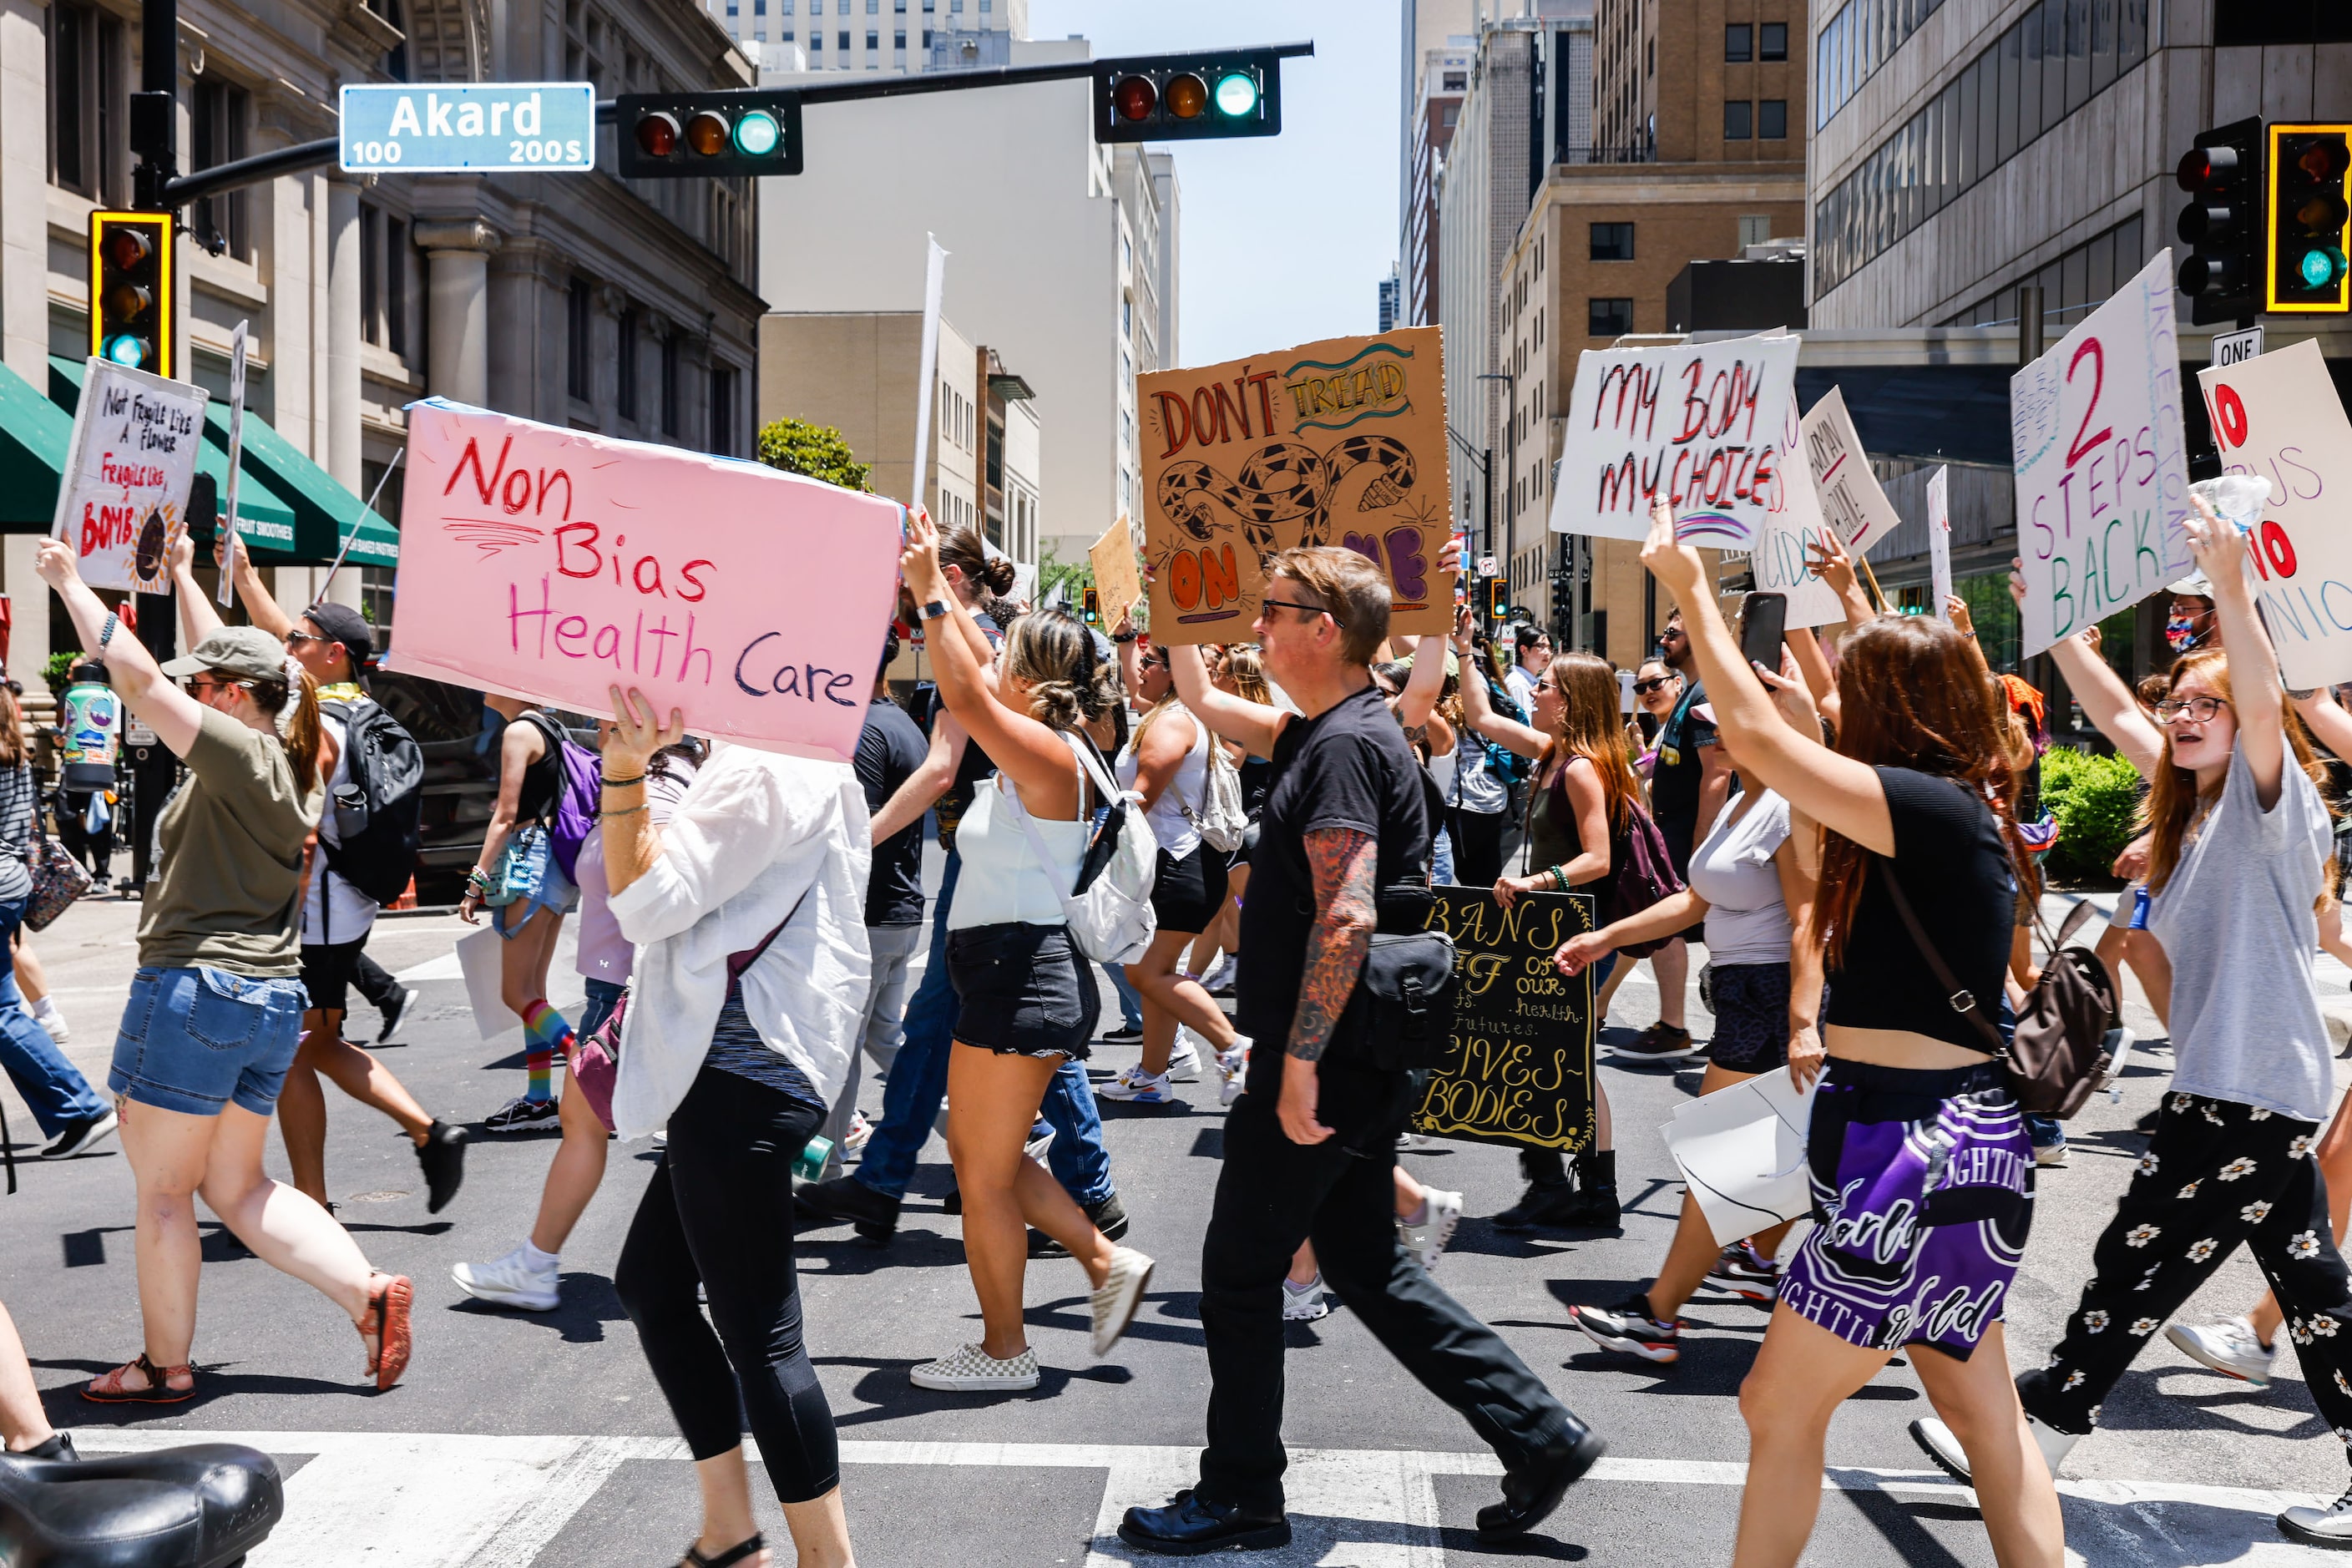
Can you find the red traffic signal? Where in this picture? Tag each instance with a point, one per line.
(657, 134)
(1136, 97)
(1190, 96)
(2222, 223)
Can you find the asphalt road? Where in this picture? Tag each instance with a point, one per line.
(524, 1439)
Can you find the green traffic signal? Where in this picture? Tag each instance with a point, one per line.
(1236, 94)
(757, 133)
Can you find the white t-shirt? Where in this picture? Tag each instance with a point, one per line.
(1522, 682)
(1732, 869)
(333, 911)
(1190, 788)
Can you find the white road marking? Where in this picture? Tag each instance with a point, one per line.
(455, 1500)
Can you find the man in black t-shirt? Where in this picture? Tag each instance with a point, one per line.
(1310, 1147)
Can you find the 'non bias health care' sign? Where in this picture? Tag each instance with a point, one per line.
(129, 468)
(1340, 442)
(552, 564)
(1708, 423)
(2277, 417)
(2102, 464)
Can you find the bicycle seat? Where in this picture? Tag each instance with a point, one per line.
(204, 1506)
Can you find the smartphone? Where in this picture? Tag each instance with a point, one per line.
(1763, 620)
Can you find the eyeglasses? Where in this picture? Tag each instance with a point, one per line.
(1646, 686)
(207, 682)
(2196, 710)
(1547, 684)
(1302, 609)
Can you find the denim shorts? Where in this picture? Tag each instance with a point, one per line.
(194, 1039)
(552, 888)
(1023, 990)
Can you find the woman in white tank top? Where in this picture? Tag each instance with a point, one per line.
(1166, 762)
(1027, 997)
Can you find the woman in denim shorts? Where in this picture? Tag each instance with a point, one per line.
(216, 1009)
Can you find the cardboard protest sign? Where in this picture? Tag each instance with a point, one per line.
(1848, 493)
(1707, 423)
(1117, 588)
(1520, 1070)
(2277, 418)
(1340, 442)
(2102, 464)
(1776, 555)
(129, 465)
(1939, 542)
(552, 564)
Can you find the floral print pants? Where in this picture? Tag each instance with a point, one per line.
(2216, 1173)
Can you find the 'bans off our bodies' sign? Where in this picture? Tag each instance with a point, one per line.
(2102, 464)
(552, 564)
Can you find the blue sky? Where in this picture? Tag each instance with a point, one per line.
(1285, 239)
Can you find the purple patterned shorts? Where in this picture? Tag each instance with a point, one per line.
(1923, 1191)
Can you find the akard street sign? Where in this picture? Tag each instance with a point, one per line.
(474, 127)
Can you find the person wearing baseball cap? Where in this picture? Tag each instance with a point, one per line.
(218, 932)
(2188, 619)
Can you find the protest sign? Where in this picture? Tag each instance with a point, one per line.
(927, 368)
(1519, 1070)
(1117, 589)
(2102, 464)
(2277, 418)
(1707, 423)
(1742, 1149)
(1846, 490)
(1939, 542)
(237, 350)
(1776, 555)
(1340, 442)
(552, 564)
(129, 466)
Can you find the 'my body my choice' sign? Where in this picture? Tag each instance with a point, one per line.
(552, 564)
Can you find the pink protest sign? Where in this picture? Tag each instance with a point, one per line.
(551, 564)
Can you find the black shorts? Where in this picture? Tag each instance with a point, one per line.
(1186, 894)
(327, 971)
(1242, 852)
(1023, 990)
(1751, 1017)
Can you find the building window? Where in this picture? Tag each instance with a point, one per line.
(1755, 228)
(927, 37)
(1737, 48)
(783, 38)
(86, 97)
(1456, 81)
(632, 328)
(873, 8)
(842, 41)
(579, 311)
(817, 42)
(216, 121)
(1613, 242)
(873, 39)
(898, 40)
(673, 411)
(1738, 120)
(898, 6)
(384, 279)
(1772, 41)
(1773, 120)
(722, 410)
(1609, 317)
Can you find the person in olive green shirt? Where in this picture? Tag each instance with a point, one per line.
(216, 1009)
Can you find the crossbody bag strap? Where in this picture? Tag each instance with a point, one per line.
(735, 972)
(1962, 1000)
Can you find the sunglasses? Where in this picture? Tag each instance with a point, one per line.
(207, 682)
(1646, 686)
(299, 636)
(1302, 609)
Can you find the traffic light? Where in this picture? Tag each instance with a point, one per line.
(1498, 598)
(1092, 613)
(2222, 223)
(130, 303)
(2305, 271)
(1184, 98)
(682, 135)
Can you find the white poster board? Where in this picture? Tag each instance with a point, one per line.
(2277, 417)
(1742, 1149)
(2102, 463)
(1939, 542)
(1708, 423)
(926, 372)
(124, 500)
(237, 349)
(1849, 495)
(1777, 560)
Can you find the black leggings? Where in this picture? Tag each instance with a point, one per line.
(1477, 846)
(719, 1210)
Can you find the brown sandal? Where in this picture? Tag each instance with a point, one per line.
(387, 1320)
(109, 1389)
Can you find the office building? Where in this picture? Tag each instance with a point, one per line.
(1431, 119)
(907, 37)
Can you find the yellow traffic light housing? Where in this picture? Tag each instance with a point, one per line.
(131, 305)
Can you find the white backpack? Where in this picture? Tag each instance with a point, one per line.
(1110, 910)
(1221, 821)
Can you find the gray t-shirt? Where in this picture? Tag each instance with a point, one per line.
(2236, 920)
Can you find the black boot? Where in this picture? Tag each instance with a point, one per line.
(1594, 1207)
(1109, 1216)
(1545, 1202)
(875, 1215)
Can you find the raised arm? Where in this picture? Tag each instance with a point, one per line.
(2106, 701)
(198, 619)
(1419, 698)
(2327, 721)
(1478, 709)
(1833, 565)
(1955, 611)
(146, 690)
(1253, 725)
(2256, 692)
(1813, 665)
(261, 607)
(927, 782)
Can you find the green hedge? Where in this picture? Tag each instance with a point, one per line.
(2095, 800)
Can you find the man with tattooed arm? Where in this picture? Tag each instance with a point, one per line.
(1309, 1146)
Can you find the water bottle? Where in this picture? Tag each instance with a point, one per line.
(90, 720)
(810, 1164)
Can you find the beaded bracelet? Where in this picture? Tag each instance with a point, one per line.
(611, 783)
(626, 811)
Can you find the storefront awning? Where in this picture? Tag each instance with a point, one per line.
(33, 437)
(267, 523)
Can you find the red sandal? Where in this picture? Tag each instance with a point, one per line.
(387, 1320)
(110, 1390)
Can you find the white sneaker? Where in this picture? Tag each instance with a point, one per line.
(1233, 1070)
(1219, 981)
(2229, 1349)
(1304, 1303)
(972, 1370)
(1942, 1447)
(1138, 1086)
(1426, 1241)
(1185, 1061)
(860, 1130)
(2330, 1526)
(1120, 1294)
(52, 1022)
(509, 1281)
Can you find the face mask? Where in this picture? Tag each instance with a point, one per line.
(2180, 633)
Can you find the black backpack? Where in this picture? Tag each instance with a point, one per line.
(378, 812)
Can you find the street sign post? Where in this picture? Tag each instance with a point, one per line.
(2237, 348)
(395, 128)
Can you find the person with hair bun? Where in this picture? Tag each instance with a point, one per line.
(1026, 998)
(216, 1008)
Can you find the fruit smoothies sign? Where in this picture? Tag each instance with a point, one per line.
(2102, 464)
(2277, 418)
(1341, 442)
(552, 564)
(129, 468)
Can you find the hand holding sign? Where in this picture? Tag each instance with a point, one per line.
(630, 745)
(1674, 565)
(919, 558)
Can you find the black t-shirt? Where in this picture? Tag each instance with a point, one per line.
(1956, 875)
(1349, 766)
(1674, 782)
(958, 799)
(889, 749)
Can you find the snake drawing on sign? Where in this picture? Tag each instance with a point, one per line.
(1282, 482)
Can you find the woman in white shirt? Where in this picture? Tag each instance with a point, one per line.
(1026, 995)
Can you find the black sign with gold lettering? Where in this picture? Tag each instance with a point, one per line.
(1520, 1070)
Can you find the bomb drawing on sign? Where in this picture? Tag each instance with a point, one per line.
(149, 560)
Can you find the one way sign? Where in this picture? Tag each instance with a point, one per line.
(394, 128)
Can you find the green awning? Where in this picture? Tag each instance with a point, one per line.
(34, 433)
(268, 524)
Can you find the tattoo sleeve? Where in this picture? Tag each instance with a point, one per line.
(1342, 861)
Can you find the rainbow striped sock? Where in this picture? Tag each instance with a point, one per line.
(549, 1034)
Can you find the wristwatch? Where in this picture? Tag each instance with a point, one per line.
(936, 609)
